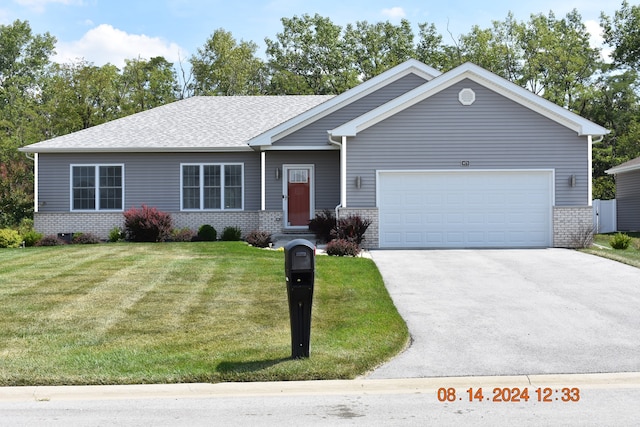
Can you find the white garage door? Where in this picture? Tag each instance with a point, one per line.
(471, 209)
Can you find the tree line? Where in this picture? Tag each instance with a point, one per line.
(548, 55)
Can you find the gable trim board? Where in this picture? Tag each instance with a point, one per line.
(465, 209)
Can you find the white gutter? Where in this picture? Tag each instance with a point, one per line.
(343, 168)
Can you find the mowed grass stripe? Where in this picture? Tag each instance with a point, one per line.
(184, 312)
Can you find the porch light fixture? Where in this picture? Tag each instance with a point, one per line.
(572, 180)
(278, 174)
(358, 182)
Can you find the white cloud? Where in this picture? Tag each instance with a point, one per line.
(394, 13)
(105, 44)
(40, 5)
(594, 28)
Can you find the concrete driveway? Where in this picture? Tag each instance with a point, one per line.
(512, 312)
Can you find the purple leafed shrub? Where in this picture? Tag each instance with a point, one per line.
(147, 224)
(85, 239)
(322, 225)
(259, 239)
(351, 228)
(51, 240)
(341, 247)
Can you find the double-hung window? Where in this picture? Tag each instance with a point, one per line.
(212, 186)
(97, 187)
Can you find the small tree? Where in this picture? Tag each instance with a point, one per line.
(147, 224)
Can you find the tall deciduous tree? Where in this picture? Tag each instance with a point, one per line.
(431, 50)
(622, 32)
(23, 60)
(81, 95)
(309, 57)
(374, 48)
(225, 67)
(558, 58)
(147, 84)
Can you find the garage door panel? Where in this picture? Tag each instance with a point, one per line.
(455, 237)
(476, 237)
(466, 209)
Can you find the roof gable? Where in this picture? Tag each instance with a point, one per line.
(346, 98)
(485, 78)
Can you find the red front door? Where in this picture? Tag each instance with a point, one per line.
(299, 197)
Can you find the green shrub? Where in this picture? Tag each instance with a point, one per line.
(85, 239)
(322, 225)
(207, 233)
(31, 237)
(26, 225)
(231, 234)
(182, 234)
(10, 238)
(351, 228)
(116, 234)
(259, 239)
(147, 224)
(341, 247)
(51, 240)
(620, 241)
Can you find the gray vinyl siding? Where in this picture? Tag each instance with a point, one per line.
(628, 200)
(316, 132)
(493, 133)
(150, 178)
(327, 176)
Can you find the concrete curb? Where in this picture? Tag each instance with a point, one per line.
(326, 387)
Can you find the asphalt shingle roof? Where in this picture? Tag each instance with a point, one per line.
(197, 123)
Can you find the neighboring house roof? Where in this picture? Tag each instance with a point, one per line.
(483, 77)
(201, 123)
(629, 166)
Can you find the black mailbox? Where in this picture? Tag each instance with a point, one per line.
(299, 266)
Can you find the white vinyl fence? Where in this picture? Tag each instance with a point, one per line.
(604, 216)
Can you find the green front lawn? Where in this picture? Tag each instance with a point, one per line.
(630, 256)
(183, 312)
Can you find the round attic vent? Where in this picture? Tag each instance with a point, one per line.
(467, 96)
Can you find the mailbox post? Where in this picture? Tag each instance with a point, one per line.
(299, 266)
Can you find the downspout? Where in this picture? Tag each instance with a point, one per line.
(34, 159)
(590, 160)
(343, 169)
(263, 185)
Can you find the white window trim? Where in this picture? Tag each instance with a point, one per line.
(96, 167)
(222, 187)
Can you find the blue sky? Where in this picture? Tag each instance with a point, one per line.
(102, 31)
